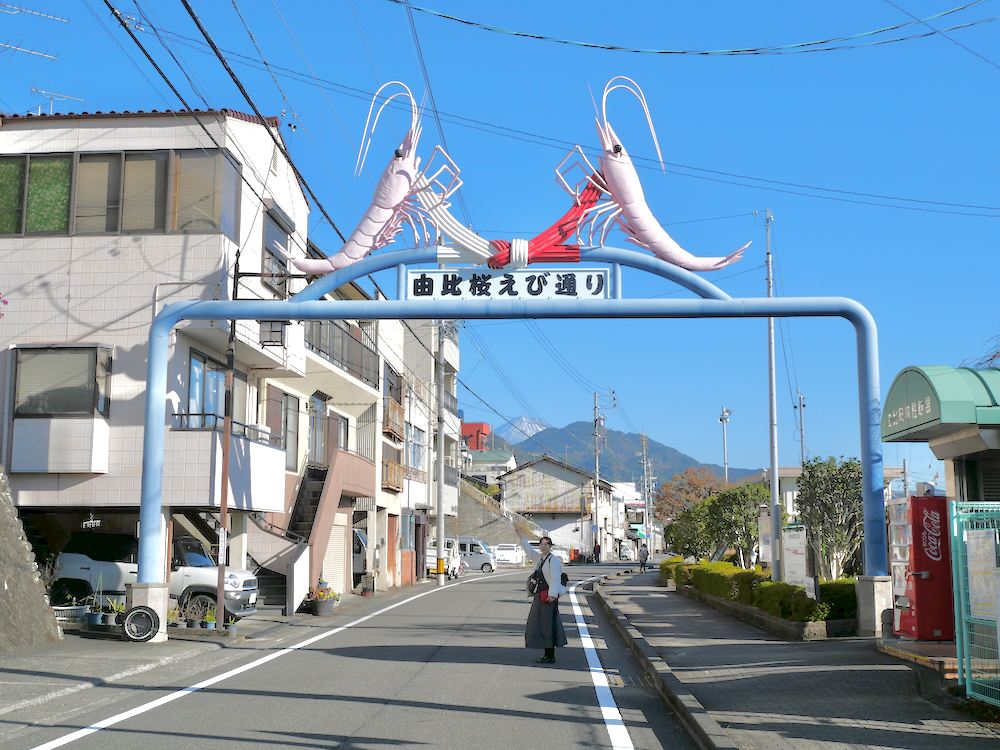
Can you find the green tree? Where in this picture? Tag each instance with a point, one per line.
(687, 534)
(732, 518)
(694, 485)
(830, 505)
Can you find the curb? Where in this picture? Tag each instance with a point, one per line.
(703, 729)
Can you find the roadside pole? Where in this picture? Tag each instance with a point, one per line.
(442, 561)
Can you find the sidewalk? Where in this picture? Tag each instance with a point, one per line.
(765, 692)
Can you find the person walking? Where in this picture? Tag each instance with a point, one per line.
(643, 557)
(544, 628)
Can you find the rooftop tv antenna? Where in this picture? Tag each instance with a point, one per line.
(14, 10)
(53, 98)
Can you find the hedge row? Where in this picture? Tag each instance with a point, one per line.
(837, 598)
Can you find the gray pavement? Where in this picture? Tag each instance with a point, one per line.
(767, 693)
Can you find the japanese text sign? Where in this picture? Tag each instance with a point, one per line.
(487, 284)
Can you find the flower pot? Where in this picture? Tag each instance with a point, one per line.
(193, 623)
(94, 618)
(323, 608)
(107, 618)
(70, 613)
(210, 625)
(180, 624)
(231, 627)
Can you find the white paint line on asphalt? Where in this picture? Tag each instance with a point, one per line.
(118, 718)
(617, 730)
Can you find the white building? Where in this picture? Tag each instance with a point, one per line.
(104, 219)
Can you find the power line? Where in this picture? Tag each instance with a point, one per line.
(953, 41)
(651, 164)
(798, 48)
(277, 142)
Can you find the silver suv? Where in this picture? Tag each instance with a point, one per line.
(93, 563)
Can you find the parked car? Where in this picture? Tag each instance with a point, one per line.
(627, 553)
(95, 562)
(477, 554)
(453, 558)
(510, 554)
(562, 554)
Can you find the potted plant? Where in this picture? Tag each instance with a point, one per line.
(116, 608)
(191, 615)
(174, 619)
(324, 599)
(210, 618)
(231, 625)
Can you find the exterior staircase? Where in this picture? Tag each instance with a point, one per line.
(307, 502)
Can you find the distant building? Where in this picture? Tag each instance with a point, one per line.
(788, 483)
(485, 466)
(476, 435)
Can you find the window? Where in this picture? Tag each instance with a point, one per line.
(63, 382)
(207, 392)
(274, 262)
(145, 192)
(119, 192)
(205, 192)
(416, 446)
(290, 426)
(98, 191)
(47, 206)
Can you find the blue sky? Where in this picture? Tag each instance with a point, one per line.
(831, 129)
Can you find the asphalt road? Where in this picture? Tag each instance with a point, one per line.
(433, 668)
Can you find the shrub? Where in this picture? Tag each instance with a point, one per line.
(841, 597)
(744, 583)
(715, 579)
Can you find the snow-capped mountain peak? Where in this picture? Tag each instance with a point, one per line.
(520, 429)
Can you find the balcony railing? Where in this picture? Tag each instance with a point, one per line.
(449, 402)
(333, 342)
(215, 422)
(392, 476)
(450, 476)
(393, 418)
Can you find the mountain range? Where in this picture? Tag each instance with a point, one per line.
(521, 429)
(621, 452)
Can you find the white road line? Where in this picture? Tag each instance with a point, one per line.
(617, 730)
(118, 718)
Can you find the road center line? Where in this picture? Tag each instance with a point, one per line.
(617, 730)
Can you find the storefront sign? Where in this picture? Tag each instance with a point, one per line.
(910, 403)
(486, 284)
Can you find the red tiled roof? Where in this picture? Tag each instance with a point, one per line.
(274, 122)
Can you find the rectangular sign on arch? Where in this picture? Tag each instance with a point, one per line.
(487, 284)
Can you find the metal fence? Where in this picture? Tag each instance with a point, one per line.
(975, 532)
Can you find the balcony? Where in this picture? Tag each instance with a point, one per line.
(392, 476)
(333, 341)
(192, 466)
(393, 418)
(449, 402)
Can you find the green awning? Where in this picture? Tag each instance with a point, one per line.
(933, 401)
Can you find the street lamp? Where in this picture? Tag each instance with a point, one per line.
(725, 451)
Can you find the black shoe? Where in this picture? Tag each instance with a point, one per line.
(545, 660)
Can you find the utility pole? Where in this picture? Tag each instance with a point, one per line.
(776, 561)
(647, 490)
(802, 423)
(725, 448)
(441, 562)
(598, 436)
(227, 439)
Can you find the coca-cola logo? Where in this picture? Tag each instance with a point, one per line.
(930, 537)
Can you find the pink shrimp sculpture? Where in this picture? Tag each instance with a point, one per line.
(394, 203)
(626, 207)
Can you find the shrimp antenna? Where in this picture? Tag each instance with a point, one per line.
(596, 110)
(637, 92)
(363, 152)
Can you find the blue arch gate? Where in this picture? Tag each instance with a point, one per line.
(713, 303)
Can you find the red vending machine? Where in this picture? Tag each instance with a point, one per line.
(921, 569)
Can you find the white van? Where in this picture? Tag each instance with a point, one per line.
(452, 558)
(476, 554)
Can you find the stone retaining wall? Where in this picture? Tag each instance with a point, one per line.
(25, 616)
